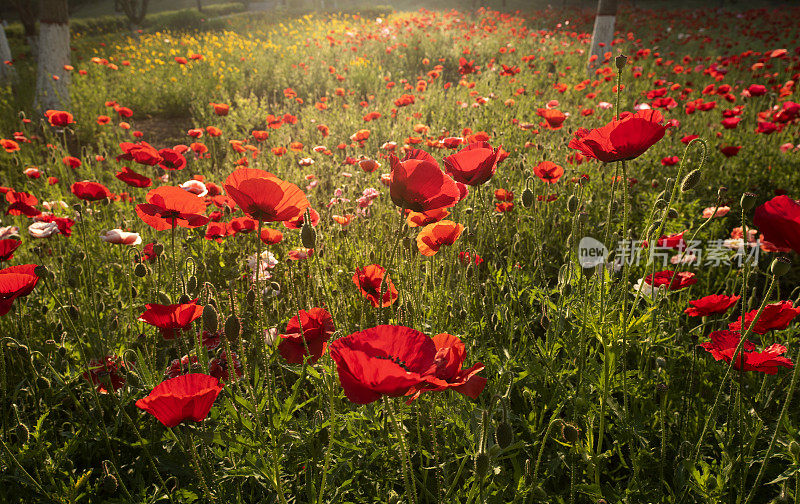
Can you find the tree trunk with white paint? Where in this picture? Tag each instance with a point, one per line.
(603, 33)
(52, 80)
(7, 72)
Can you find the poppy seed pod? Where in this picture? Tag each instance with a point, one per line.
(210, 319)
(748, 201)
(620, 61)
(780, 266)
(232, 328)
(482, 462)
(690, 180)
(527, 198)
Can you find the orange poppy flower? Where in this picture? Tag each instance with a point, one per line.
(433, 236)
(420, 219)
(170, 206)
(271, 236)
(554, 118)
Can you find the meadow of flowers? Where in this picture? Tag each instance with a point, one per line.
(343, 259)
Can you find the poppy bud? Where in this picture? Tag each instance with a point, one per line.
(251, 298)
(158, 249)
(482, 462)
(653, 227)
(504, 435)
(40, 271)
(49, 345)
(184, 299)
(134, 292)
(407, 243)
(661, 363)
(572, 203)
(140, 270)
(570, 433)
(780, 266)
(583, 217)
(372, 257)
(43, 382)
(690, 180)
(722, 191)
(566, 289)
(308, 235)
(72, 311)
(109, 484)
(672, 214)
(23, 434)
(232, 328)
(588, 272)
(191, 285)
(748, 201)
(210, 319)
(621, 61)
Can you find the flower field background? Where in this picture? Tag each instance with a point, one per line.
(339, 258)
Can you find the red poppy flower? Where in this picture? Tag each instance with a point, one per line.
(450, 354)
(9, 145)
(105, 372)
(143, 153)
(473, 165)
(271, 236)
(218, 367)
(16, 281)
(221, 109)
(90, 191)
(171, 159)
(709, 305)
(419, 219)
(670, 280)
(369, 280)
(297, 222)
(7, 248)
(383, 360)
(264, 196)
(553, 118)
(217, 231)
(243, 224)
(71, 161)
(317, 328)
(417, 183)
(548, 172)
(433, 236)
(621, 139)
(171, 319)
(775, 316)
(779, 220)
(185, 397)
(723, 346)
(170, 206)
(21, 203)
(59, 118)
(132, 178)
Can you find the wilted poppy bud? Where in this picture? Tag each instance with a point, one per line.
(481, 465)
(572, 203)
(140, 270)
(748, 201)
(232, 328)
(621, 61)
(210, 319)
(690, 180)
(780, 266)
(504, 435)
(527, 198)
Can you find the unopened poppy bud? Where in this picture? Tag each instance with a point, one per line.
(232, 328)
(72, 311)
(109, 484)
(654, 227)
(748, 201)
(570, 433)
(308, 235)
(504, 435)
(407, 243)
(40, 271)
(722, 191)
(621, 61)
(191, 285)
(23, 434)
(572, 203)
(527, 198)
(140, 270)
(672, 214)
(210, 319)
(690, 180)
(183, 299)
(660, 203)
(251, 298)
(780, 266)
(49, 345)
(482, 463)
(158, 249)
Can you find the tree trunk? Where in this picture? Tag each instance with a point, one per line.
(28, 11)
(52, 80)
(603, 33)
(7, 72)
(200, 5)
